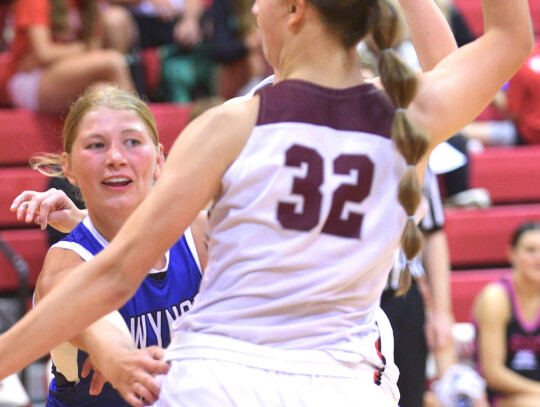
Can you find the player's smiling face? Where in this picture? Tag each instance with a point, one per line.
(114, 160)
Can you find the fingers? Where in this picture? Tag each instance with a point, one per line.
(30, 204)
(133, 399)
(87, 367)
(23, 197)
(21, 204)
(144, 390)
(146, 396)
(98, 381)
(153, 367)
(155, 352)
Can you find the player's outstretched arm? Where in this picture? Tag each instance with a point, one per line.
(430, 32)
(458, 88)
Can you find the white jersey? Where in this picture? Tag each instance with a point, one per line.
(306, 229)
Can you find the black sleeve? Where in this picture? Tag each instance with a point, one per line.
(226, 46)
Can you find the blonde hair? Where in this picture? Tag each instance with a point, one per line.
(93, 99)
(400, 82)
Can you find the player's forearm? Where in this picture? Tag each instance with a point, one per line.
(81, 299)
(436, 260)
(508, 23)
(430, 33)
(445, 357)
(108, 333)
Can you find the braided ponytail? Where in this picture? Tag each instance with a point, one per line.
(400, 83)
(352, 20)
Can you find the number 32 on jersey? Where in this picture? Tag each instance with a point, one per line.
(309, 188)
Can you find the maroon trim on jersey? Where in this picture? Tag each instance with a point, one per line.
(362, 108)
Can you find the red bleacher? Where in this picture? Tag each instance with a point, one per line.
(510, 175)
(32, 245)
(479, 237)
(465, 287)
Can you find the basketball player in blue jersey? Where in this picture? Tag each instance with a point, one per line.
(507, 319)
(113, 156)
(306, 218)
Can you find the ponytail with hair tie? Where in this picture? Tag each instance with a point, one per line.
(400, 83)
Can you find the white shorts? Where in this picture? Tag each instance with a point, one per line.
(390, 375)
(209, 382)
(23, 89)
(212, 370)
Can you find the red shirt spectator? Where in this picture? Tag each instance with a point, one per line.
(524, 98)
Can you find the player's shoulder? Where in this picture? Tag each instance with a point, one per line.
(493, 299)
(232, 118)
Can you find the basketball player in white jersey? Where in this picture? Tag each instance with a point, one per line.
(419, 13)
(306, 218)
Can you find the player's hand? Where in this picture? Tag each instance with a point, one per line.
(98, 380)
(52, 206)
(132, 373)
(438, 329)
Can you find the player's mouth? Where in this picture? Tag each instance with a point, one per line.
(117, 182)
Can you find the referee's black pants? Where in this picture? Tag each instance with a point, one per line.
(407, 317)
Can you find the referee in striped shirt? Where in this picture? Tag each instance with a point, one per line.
(422, 318)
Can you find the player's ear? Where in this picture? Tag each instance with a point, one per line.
(160, 160)
(65, 160)
(297, 10)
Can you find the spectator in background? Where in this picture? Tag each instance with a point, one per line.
(519, 101)
(507, 317)
(524, 99)
(236, 45)
(153, 23)
(175, 26)
(57, 53)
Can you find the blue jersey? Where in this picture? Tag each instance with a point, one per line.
(163, 296)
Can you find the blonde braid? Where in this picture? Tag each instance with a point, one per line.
(400, 83)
